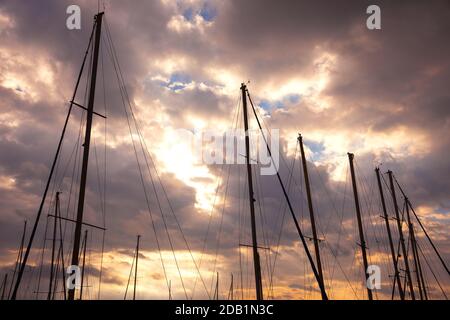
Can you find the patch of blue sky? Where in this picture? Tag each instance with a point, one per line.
(270, 105)
(180, 77)
(278, 104)
(443, 210)
(176, 86)
(293, 98)
(317, 149)
(208, 12)
(188, 14)
(176, 81)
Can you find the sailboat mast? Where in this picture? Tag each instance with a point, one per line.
(419, 265)
(311, 213)
(231, 291)
(136, 267)
(49, 179)
(414, 251)
(256, 261)
(170, 289)
(5, 281)
(216, 293)
(291, 210)
(400, 232)
(61, 250)
(360, 225)
(84, 263)
(19, 257)
(52, 264)
(87, 140)
(391, 243)
(423, 229)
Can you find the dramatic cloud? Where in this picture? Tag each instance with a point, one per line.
(312, 67)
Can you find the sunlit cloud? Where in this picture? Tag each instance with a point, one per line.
(382, 96)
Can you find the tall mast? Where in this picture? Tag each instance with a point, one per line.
(216, 293)
(49, 179)
(136, 267)
(419, 265)
(311, 213)
(170, 289)
(84, 263)
(400, 232)
(391, 244)
(291, 210)
(5, 281)
(55, 282)
(231, 291)
(415, 253)
(19, 257)
(52, 264)
(256, 262)
(424, 230)
(61, 250)
(360, 225)
(87, 141)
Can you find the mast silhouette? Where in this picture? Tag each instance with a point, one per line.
(311, 213)
(52, 264)
(388, 229)
(360, 224)
(423, 229)
(416, 259)
(170, 289)
(231, 290)
(87, 141)
(83, 263)
(136, 267)
(52, 169)
(402, 239)
(256, 260)
(216, 291)
(291, 210)
(19, 256)
(257, 267)
(5, 281)
(61, 250)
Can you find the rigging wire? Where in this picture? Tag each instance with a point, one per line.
(432, 272)
(104, 173)
(255, 110)
(297, 184)
(142, 142)
(204, 246)
(305, 246)
(282, 224)
(129, 277)
(137, 158)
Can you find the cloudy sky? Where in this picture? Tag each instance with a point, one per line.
(311, 67)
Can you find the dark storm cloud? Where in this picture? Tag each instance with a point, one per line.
(381, 81)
